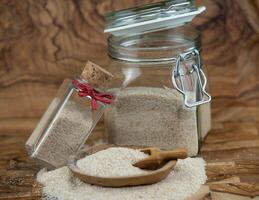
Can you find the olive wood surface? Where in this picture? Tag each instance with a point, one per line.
(42, 42)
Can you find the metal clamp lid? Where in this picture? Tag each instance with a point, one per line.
(178, 74)
(152, 17)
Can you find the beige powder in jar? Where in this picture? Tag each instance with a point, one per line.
(65, 135)
(149, 116)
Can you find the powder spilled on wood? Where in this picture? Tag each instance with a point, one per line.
(186, 179)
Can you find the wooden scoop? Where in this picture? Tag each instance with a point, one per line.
(159, 157)
(152, 177)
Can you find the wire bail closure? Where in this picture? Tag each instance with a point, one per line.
(202, 97)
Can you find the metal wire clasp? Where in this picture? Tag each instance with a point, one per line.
(178, 78)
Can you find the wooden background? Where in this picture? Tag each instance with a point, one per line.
(44, 41)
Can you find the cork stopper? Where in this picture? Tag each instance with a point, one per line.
(96, 75)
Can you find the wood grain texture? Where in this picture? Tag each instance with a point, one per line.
(44, 41)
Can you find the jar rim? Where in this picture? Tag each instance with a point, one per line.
(161, 46)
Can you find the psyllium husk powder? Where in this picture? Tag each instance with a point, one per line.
(149, 116)
(60, 184)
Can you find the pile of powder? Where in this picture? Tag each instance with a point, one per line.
(117, 161)
(186, 179)
(65, 136)
(148, 116)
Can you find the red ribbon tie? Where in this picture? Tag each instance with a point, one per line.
(84, 90)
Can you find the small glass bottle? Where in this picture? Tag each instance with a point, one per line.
(71, 117)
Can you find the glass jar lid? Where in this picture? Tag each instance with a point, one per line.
(151, 17)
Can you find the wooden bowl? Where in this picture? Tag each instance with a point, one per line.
(146, 179)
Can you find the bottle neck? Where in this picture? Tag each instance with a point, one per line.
(83, 80)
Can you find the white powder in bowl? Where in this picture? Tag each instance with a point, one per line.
(117, 162)
(186, 179)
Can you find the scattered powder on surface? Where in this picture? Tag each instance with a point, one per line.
(117, 162)
(186, 179)
(66, 135)
(149, 116)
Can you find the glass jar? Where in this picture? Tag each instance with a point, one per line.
(163, 99)
(69, 119)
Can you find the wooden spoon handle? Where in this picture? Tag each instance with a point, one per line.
(150, 150)
(173, 155)
(159, 157)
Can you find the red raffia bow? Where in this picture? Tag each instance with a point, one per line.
(84, 90)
